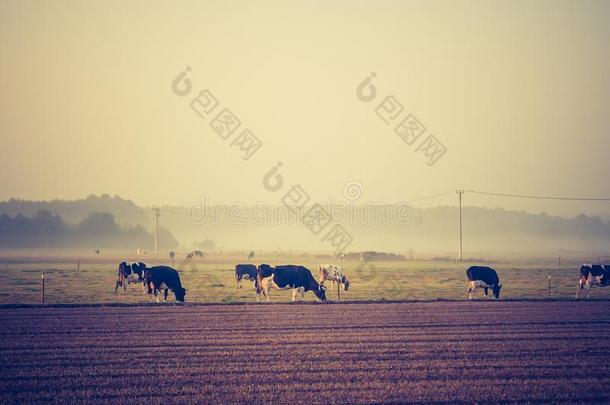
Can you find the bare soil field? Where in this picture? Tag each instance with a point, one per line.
(454, 351)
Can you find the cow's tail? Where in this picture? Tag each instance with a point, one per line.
(119, 280)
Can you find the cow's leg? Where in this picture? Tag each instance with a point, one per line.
(237, 281)
(116, 287)
(588, 285)
(264, 288)
(165, 296)
(294, 294)
(486, 294)
(472, 290)
(157, 294)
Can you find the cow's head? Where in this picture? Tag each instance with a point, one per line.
(496, 290)
(345, 283)
(180, 293)
(320, 292)
(264, 270)
(139, 269)
(125, 268)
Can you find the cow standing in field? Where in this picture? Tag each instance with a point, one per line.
(593, 275)
(297, 278)
(483, 277)
(130, 273)
(335, 274)
(245, 271)
(159, 278)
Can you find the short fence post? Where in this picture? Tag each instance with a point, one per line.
(549, 276)
(43, 288)
(78, 265)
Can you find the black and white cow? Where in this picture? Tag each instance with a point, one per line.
(163, 278)
(335, 274)
(297, 278)
(483, 277)
(593, 275)
(130, 273)
(245, 271)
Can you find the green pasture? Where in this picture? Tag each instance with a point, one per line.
(214, 281)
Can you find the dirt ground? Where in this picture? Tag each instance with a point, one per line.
(481, 351)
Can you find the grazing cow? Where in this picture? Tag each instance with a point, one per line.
(335, 274)
(245, 271)
(593, 275)
(130, 273)
(298, 278)
(163, 278)
(483, 277)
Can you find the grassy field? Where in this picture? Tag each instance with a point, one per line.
(211, 279)
(434, 352)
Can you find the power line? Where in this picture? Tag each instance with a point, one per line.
(539, 197)
(172, 211)
(431, 196)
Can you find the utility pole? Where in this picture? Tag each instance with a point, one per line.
(157, 215)
(459, 193)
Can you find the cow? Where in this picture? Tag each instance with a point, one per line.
(335, 274)
(593, 275)
(163, 278)
(130, 273)
(483, 277)
(245, 271)
(297, 278)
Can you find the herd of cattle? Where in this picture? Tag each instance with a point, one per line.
(300, 280)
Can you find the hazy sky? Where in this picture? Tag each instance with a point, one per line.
(517, 91)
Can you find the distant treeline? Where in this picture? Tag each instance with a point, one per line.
(380, 227)
(96, 230)
(74, 211)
